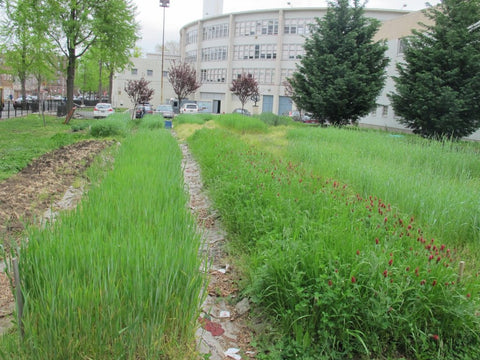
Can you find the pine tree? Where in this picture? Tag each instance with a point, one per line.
(438, 86)
(343, 70)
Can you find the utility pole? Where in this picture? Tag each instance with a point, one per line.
(164, 4)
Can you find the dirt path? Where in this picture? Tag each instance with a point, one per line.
(222, 331)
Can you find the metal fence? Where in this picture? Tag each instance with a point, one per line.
(50, 106)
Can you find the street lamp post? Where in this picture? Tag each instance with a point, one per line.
(164, 4)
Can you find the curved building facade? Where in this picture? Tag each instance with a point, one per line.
(264, 43)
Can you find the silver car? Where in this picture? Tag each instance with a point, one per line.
(166, 111)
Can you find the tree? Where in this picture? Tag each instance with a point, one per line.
(245, 87)
(438, 85)
(139, 92)
(27, 49)
(343, 70)
(76, 25)
(183, 79)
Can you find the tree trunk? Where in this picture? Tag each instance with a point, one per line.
(100, 93)
(110, 85)
(70, 77)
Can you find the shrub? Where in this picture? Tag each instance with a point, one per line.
(107, 128)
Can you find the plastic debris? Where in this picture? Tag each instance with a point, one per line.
(233, 353)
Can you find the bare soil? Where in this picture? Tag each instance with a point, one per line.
(27, 195)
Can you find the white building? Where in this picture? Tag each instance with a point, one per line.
(268, 44)
(149, 68)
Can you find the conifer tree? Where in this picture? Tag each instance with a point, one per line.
(343, 70)
(438, 85)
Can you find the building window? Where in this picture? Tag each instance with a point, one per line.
(214, 54)
(249, 52)
(293, 51)
(261, 75)
(192, 37)
(149, 72)
(297, 26)
(213, 75)
(191, 56)
(384, 110)
(134, 71)
(215, 31)
(256, 27)
(402, 44)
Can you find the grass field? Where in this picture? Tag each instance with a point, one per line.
(349, 242)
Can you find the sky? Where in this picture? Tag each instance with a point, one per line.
(182, 12)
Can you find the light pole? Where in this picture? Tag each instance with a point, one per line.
(164, 4)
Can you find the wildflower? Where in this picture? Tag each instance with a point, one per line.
(376, 241)
(385, 273)
(407, 268)
(390, 262)
(435, 337)
(468, 295)
(434, 282)
(385, 220)
(423, 282)
(330, 283)
(354, 280)
(358, 252)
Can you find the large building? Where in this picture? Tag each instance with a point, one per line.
(267, 44)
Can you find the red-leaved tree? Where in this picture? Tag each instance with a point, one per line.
(183, 79)
(139, 92)
(245, 87)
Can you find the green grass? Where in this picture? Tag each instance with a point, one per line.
(341, 272)
(119, 277)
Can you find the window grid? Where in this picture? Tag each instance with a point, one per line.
(256, 27)
(214, 53)
(191, 56)
(249, 52)
(213, 75)
(215, 31)
(293, 51)
(192, 37)
(298, 26)
(261, 75)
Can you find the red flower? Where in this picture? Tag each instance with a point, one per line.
(354, 280)
(423, 282)
(376, 241)
(385, 220)
(330, 283)
(358, 252)
(435, 337)
(385, 273)
(434, 282)
(408, 268)
(390, 262)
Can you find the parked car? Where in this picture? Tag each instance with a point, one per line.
(148, 108)
(20, 103)
(241, 111)
(139, 111)
(166, 111)
(189, 108)
(102, 110)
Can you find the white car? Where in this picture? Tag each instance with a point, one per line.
(102, 110)
(189, 108)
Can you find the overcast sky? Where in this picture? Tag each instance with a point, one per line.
(182, 12)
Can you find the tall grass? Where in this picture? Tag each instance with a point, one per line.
(342, 274)
(119, 277)
(241, 123)
(437, 182)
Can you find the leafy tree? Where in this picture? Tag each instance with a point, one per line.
(139, 92)
(27, 48)
(183, 79)
(343, 70)
(76, 25)
(245, 88)
(438, 86)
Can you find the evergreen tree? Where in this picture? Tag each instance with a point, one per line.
(343, 70)
(438, 86)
